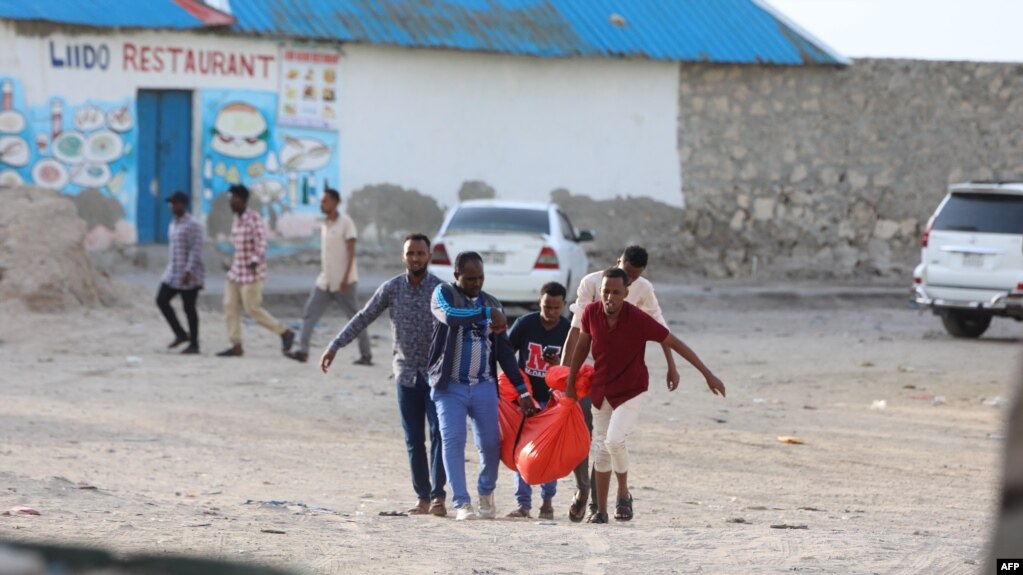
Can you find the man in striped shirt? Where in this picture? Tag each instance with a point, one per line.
(185, 273)
(469, 341)
(244, 286)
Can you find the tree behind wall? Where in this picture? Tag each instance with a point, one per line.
(386, 213)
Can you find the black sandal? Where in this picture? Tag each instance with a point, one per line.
(598, 517)
(578, 509)
(623, 512)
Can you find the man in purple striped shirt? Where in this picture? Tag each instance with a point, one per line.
(185, 273)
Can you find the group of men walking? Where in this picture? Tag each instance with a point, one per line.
(448, 341)
(450, 376)
(243, 286)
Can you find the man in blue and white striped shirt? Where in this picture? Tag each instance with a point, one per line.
(469, 341)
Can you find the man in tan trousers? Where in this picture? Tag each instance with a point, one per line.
(244, 286)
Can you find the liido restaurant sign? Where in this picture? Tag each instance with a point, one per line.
(153, 58)
(308, 95)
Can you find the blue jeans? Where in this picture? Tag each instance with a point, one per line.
(524, 492)
(417, 410)
(478, 402)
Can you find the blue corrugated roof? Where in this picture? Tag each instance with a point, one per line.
(724, 31)
(179, 14)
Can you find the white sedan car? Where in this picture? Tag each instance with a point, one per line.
(524, 245)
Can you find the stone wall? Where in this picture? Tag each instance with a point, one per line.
(832, 173)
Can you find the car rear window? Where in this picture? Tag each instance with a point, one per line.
(982, 213)
(486, 219)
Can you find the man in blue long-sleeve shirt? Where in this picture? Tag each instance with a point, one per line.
(407, 296)
(468, 343)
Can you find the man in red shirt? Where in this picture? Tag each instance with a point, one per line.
(618, 332)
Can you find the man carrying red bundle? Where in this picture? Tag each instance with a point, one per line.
(537, 338)
(618, 332)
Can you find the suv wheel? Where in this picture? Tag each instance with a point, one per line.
(965, 323)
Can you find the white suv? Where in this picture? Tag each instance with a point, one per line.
(971, 264)
(524, 245)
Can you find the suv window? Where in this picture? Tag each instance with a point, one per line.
(983, 213)
(481, 219)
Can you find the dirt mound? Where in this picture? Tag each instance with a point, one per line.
(43, 262)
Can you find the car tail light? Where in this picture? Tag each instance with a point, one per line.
(1019, 287)
(440, 256)
(926, 236)
(547, 260)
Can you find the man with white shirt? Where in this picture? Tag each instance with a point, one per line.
(633, 262)
(337, 280)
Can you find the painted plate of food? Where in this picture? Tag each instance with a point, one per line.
(10, 178)
(119, 119)
(50, 173)
(89, 175)
(69, 147)
(11, 122)
(104, 146)
(14, 151)
(304, 154)
(88, 118)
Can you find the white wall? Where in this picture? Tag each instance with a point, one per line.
(431, 120)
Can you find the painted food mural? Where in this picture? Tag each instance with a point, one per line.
(71, 148)
(285, 168)
(75, 147)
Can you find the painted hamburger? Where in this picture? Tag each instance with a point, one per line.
(240, 131)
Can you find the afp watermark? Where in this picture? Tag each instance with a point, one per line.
(1010, 565)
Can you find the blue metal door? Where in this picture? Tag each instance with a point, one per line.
(164, 157)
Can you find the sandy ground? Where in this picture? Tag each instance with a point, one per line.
(124, 445)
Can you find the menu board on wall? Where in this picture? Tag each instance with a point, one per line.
(309, 88)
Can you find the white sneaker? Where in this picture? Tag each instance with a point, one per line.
(464, 512)
(487, 509)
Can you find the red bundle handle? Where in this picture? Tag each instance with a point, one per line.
(557, 378)
(508, 392)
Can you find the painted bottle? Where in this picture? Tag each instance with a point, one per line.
(8, 91)
(56, 119)
(292, 188)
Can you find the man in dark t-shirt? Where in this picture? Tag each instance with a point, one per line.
(618, 332)
(537, 338)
